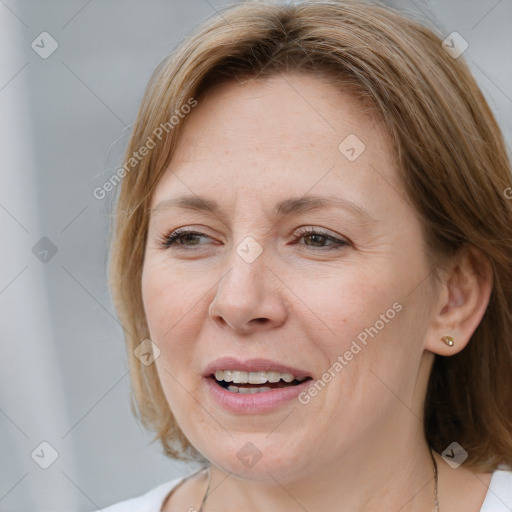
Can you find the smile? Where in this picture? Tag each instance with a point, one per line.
(254, 382)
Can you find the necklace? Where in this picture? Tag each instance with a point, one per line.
(435, 508)
(436, 498)
(201, 509)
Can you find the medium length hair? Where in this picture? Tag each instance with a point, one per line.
(451, 161)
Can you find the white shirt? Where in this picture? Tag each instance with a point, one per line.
(497, 499)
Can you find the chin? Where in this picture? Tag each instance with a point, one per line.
(257, 458)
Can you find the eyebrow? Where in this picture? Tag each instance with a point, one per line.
(292, 205)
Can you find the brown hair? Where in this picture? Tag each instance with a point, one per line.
(452, 162)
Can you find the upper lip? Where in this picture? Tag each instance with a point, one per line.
(252, 365)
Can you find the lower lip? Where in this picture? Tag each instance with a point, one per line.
(257, 402)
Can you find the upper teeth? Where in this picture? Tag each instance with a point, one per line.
(241, 377)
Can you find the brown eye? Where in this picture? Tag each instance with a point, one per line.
(318, 237)
(183, 236)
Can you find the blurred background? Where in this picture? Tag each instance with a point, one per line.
(72, 74)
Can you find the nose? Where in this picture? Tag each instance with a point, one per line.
(249, 297)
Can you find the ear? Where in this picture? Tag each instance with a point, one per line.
(462, 300)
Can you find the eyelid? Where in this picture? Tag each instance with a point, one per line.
(171, 238)
(319, 231)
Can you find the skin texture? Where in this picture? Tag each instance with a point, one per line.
(303, 301)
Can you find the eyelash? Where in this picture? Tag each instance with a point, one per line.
(171, 239)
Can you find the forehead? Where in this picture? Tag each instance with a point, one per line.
(293, 109)
(293, 131)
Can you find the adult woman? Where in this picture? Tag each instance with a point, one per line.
(348, 126)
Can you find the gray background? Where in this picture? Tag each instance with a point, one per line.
(64, 122)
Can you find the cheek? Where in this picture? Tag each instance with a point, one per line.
(370, 330)
(166, 298)
(175, 311)
(157, 299)
(346, 303)
(166, 308)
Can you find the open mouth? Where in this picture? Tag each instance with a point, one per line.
(254, 382)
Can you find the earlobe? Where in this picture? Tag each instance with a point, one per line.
(463, 300)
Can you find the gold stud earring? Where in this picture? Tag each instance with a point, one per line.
(448, 340)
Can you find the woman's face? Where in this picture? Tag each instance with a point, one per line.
(351, 311)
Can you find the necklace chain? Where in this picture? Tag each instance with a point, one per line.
(436, 497)
(435, 508)
(201, 508)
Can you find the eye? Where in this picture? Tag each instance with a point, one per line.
(181, 235)
(316, 237)
(185, 237)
